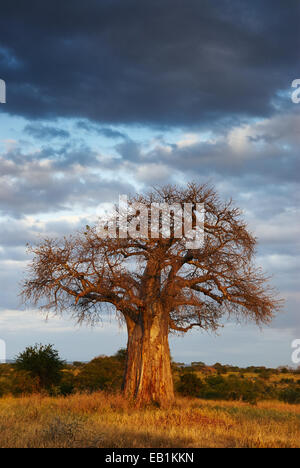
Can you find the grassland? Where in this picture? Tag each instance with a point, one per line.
(107, 420)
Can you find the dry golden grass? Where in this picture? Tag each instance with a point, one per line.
(103, 420)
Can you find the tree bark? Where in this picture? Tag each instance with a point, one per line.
(148, 375)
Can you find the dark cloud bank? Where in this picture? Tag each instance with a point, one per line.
(159, 63)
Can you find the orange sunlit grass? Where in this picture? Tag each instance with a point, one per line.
(108, 420)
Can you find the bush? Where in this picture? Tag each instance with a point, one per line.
(41, 363)
(78, 364)
(220, 388)
(220, 369)
(14, 382)
(232, 388)
(67, 383)
(102, 373)
(287, 381)
(265, 375)
(22, 383)
(190, 385)
(290, 395)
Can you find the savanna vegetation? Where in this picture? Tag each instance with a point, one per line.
(81, 405)
(39, 370)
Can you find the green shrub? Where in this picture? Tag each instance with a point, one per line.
(67, 383)
(102, 373)
(42, 363)
(190, 385)
(218, 387)
(290, 395)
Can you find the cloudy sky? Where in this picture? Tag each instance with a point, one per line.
(108, 97)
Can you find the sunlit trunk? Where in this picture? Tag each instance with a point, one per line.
(148, 376)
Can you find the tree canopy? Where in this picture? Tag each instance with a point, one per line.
(196, 287)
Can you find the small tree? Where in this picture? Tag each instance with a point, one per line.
(43, 363)
(156, 285)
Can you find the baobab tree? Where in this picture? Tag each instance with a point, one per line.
(157, 286)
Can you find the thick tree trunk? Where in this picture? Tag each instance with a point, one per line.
(148, 375)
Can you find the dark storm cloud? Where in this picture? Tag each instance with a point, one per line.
(44, 132)
(103, 131)
(159, 63)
